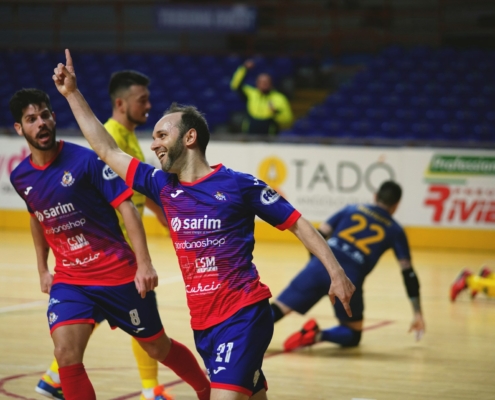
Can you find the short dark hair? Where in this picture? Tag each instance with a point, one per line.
(123, 80)
(23, 98)
(389, 193)
(191, 118)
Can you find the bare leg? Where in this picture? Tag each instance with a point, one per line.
(70, 343)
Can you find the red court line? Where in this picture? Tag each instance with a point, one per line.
(377, 325)
(3, 381)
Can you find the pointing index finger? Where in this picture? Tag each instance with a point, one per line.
(68, 57)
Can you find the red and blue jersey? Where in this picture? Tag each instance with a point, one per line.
(212, 228)
(73, 197)
(362, 233)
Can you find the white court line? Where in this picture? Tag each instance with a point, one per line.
(23, 306)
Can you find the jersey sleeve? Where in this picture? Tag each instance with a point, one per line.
(13, 182)
(146, 179)
(267, 203)
(401, 245)
(108, 183)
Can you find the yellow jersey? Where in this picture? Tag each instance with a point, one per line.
(128, 143)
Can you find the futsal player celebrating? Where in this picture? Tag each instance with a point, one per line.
(72, 196)
(210, 212)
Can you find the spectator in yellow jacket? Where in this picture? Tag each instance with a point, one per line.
(268, 110)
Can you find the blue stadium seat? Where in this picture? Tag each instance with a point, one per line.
(423, 130)
(485, 132)
(335, 128)
(467, 116)
(305, 126)
(363, 128)
(407, 114)
(453, 131)
(392, 129)
(377, 114)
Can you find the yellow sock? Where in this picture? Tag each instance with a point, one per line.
(148, 367)
(480, 284)
(54, 366)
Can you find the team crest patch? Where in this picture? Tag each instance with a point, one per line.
(52, 317)
(269, 196)
(67, 179)
(108, 173)
(220, 196)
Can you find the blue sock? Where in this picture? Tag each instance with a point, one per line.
(342, 335)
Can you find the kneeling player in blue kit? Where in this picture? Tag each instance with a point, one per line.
(358, 235)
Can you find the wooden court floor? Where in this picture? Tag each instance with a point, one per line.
(454, 360)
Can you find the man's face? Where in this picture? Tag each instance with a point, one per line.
(264, 83)
(37, 126)
(136, 101)
(167, 143)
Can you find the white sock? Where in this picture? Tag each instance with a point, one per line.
(55, 376)
(149, 393)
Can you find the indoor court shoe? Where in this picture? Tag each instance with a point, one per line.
(159, 393)
(305, 337)
(459, 284)
(484, 272)
(50, 389)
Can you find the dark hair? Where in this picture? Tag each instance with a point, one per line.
(191, 118)
(123, 80)
(389, 193)
(23, 98)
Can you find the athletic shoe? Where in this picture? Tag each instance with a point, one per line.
(305, 337)
(484, 272)
(159, 393)
(459, 284)
(50, 389)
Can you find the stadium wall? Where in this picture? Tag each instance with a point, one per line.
(448, 200)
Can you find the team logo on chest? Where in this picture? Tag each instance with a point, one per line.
(220, 196)
(67, 179)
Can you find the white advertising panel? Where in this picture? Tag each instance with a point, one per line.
(442, 187)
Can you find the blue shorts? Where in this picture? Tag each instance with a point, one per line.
(233, 350)
(313, 283)
(121, 305)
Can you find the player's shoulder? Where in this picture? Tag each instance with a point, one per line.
(22, 166)
(396, 225)
(80, 155)
(241, 178)
(351, 208)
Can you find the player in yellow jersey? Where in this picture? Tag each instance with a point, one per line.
(130, 107)
(483, 282)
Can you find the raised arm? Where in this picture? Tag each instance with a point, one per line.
(99, 139)
(341, 286)
(146, 278)
(411, 283)
(42, 250)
